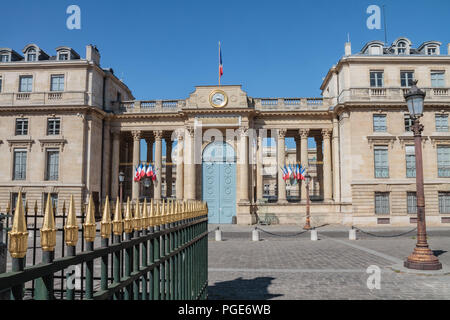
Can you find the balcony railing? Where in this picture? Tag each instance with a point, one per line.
(290, 103)
(151, 106)
(390, 94)
(43, 98)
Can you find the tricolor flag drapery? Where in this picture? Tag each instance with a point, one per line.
(220, 63)
(143, 170)
(293, 173)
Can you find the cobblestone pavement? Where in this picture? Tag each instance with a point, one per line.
(331, 268)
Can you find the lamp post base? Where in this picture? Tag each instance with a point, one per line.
(307, 227)
(423, 259)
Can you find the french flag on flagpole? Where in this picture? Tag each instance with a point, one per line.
(220, 63)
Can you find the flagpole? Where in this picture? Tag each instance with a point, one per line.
(219, 63)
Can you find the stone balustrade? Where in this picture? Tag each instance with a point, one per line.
(43, 98)
(390, 94)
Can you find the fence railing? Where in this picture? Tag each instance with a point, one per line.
(159, 252)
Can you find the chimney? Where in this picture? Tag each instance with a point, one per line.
(348, 49)
(92, 54)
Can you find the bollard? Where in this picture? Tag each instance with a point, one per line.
(314, 236)
(255, 235)
(352, 234)
(218, 234)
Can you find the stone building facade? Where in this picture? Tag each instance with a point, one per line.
(68, 126)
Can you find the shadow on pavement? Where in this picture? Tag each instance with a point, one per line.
(242, 289)
(437, 253)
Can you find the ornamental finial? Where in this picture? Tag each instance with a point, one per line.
(48, 230)
(18, 236)
(118, 222)
(106, 224)
(71, 227)
(89, 225)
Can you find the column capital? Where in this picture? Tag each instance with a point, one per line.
(190, 131)
(137, 135)
(243, 132)
(304, 133)
(326, 133)
(282, 133)
(158, 134)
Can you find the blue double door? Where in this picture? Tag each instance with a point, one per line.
(219, 191)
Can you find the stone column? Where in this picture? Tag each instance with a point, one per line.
(180, 166)
(158, 164)
(149, 142)
(168, 167)
(259, 170)
(327, 174)
(115, 164)
(190, 174)
(336, 164)
(304, 133)
(243, 164)
(137, 135)
(298, 158)
(319, 167)
(106, 178)
(281, 161)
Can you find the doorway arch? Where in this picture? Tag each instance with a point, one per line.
(219, 181)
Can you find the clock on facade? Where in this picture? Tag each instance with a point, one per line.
(218, 99)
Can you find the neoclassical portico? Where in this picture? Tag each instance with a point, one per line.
(177, 133)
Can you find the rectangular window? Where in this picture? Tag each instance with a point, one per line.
(444, 202)
(20, 165)
(411, 200)
(4, 58)
(381, 162)
(408, 123)
(438, 79)
(382, 203)
(53, 126)
(63, 57)
(410, 162)
(406, 78)
(57, 83)
(31, 57)
(441, 123)
(431, 51)
(52, 165)
(21, 127)
(443, 155)
(377, 79)
(26, 83)
(379, 123)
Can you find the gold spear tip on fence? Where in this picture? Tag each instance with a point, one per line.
(145, 216)
(18, 236)
(71, 227)
(106, 224)
(89, 225)
(118, 222)
(137, 222)
(128, 221)
(48, 230)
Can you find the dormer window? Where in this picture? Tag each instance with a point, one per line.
(431, 51)
(4, 58)
(401, 48)
(63, 56)
(375, 50)
(31, 55)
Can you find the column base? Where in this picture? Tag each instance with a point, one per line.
(423, 259)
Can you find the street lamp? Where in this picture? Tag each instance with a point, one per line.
(422, 257)
(121, 180)
(308, 218)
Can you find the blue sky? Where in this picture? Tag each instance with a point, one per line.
(162, 49)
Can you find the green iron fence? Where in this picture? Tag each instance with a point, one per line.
(158, 252)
